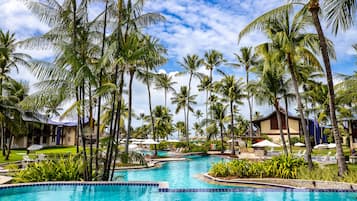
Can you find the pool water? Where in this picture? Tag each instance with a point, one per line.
(147, 193)
(179, 174)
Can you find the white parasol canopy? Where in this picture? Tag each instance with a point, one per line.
(321, 146)
(35, 147)
(132, 147)
(331, 146)
(299, 144)
(265, 143)
(146, 141)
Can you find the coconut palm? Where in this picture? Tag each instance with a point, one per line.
(163, 122)
(247, 59)
(288, 34)
(164, 81)
(184, 101)
(219, 114)
(232, 92)
(269, 86)
(190, 64)
(314, 8)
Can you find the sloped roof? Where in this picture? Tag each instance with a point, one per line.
(274, 113)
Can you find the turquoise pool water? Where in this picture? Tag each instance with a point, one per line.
(147, 193)
(179, 174)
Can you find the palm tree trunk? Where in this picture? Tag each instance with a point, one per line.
(232, 128)
(188, 112)
(2, 131)
(221, 130)
(150, 109)
(250, 107)
(91, 128)
(81, 127)
(206, 110)
(278, 116)
(301, 111)
(9, 148)
(100, 97)
(184, 113)
(132, 72)
(314, 8)
(287, 122)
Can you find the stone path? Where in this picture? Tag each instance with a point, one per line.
(4, 179)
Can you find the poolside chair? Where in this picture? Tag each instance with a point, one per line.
(26, 160)
(301, 154)
(41, 157)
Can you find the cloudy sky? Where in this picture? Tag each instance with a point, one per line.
(192, 26)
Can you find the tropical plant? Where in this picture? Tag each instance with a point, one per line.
(184, 101)
(164, 81)
(190, 64)
(247, 59)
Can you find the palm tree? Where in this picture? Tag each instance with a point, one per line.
(184, 101)
(219, 114)
(205, 84)
(269, 87)
(339, 18)
(247, 59)
(287, 34)
(190, 63)
(164, 81)
(163, 122)
(232, 92)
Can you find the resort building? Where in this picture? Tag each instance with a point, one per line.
(268, 126)
(43, 131)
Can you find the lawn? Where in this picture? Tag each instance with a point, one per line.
(17, 155)
(317, 152)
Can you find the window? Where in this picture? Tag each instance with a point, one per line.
(274, 122)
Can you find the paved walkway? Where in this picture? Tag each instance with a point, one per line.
(4, 179)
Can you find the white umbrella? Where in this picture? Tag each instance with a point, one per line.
(265, 143)
(321, 146)
(149, 141)
(299, 144)
(35, 147)
(173, 141)
(331, 146)
(132, 147)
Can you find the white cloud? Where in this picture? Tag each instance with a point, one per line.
(192, 26)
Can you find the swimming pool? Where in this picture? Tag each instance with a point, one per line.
(145, 192)
(179, 174)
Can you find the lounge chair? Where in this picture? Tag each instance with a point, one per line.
(41, 157)
(26, 160)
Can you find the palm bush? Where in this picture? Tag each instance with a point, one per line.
(63, 169)
(286, 167)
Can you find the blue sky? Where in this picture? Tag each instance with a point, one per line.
(192, 26)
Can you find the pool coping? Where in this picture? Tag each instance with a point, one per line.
(163, 187)
(294, 183)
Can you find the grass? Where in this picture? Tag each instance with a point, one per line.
(316, 152)
(17, 155)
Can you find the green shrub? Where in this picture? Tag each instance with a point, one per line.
(277, 167)
(219, 169)
(63, 169)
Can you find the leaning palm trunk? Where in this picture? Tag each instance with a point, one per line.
(2, 130)
(314, 9)
(278, 116)
(287, 122)
(150, 110)
(100, 97)
(232, 128)
(301, 111)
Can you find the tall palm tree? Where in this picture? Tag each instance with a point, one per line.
(247, 59)
(232, 92)
(340, 18)
(164, 81)
(190, 63)
(205, 85)
(219, 114)
(288, 34)
(184, 101)
(269, 85)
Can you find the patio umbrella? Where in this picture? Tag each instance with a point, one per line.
(35, 147)
(149, 141)
(132, 147)
(265, 143)
(331, 146)
(299, 144)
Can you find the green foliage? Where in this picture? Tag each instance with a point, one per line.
(295, 140)
(278, 167)
(12, 167)
(63, 169)
(329, 174)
